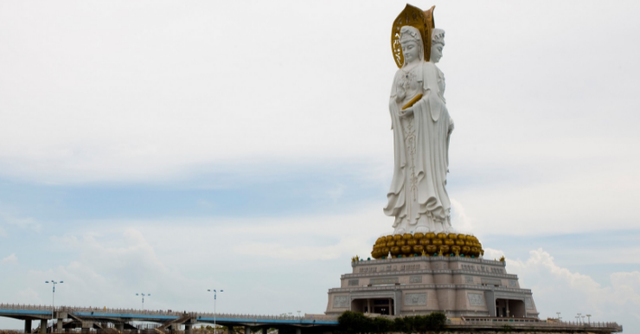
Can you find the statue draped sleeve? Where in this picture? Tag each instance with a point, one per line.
(395, 194)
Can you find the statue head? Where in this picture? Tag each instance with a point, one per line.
(411, 42)
(437, 44)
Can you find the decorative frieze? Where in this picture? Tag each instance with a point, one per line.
(383, 281)
(388, 268)
(415, 299)
(469, 267)
(476, 299)
(341, 302)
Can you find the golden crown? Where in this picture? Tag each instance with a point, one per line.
(417, 18)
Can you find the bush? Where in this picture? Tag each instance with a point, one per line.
(404, 325)
(436, 321)
(382, 325)
(354, 322)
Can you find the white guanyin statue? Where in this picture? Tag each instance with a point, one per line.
(421, 124)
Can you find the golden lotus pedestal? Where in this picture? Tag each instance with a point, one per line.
(459, 285)
(429, 244)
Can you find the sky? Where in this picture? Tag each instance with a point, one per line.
(170, 147)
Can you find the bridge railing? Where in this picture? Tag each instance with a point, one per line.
(105, 310)
(25, 307)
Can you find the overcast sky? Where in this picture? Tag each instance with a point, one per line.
(174, 147)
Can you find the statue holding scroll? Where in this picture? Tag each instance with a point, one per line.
(421, 124)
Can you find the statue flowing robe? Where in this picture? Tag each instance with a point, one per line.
(417, 197)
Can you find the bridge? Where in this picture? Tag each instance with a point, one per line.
(121, 319)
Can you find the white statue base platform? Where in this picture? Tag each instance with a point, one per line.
(457, 286)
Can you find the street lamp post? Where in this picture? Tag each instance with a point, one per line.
(589, 318)
(558, 313)
(53, 300)
(143, 295)
(579, 314)
(215, 297)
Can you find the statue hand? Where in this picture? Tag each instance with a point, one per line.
(406, 112)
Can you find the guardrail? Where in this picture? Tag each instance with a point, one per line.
(104, 310)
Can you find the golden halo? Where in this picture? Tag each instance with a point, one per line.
(421, 20)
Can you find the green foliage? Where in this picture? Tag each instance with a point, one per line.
(436, 321)
(507, 329)
(403, 325)
(355, 323)
(382, 325)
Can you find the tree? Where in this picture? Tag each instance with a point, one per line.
(382, 325)
(354, 322)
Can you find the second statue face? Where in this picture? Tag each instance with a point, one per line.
(436, 52)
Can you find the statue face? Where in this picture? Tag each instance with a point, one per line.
(436, 52)
(410, 51)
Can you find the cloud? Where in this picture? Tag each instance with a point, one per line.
(336, 193)
(459, 218)
(29, 296)
(12, 259)
(21, 222)
(109, 266)
(492, 254)
(296, 252)
(559, 289)
(177, 260)
(128, 255)
(308, 237)
(168, 127)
